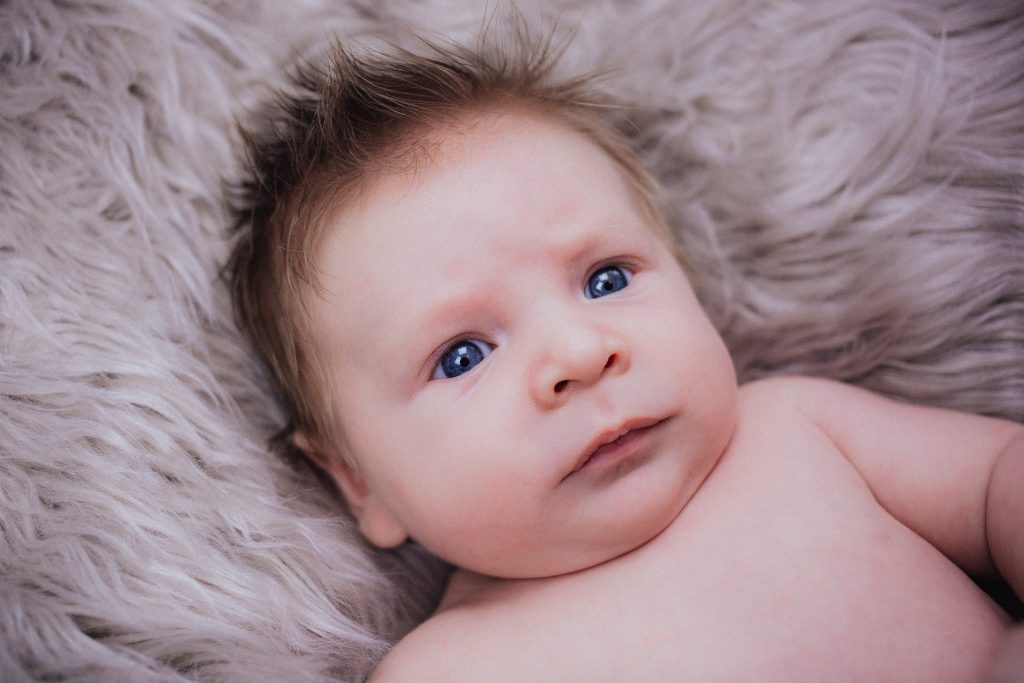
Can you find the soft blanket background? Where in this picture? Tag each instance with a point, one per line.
(848, 178)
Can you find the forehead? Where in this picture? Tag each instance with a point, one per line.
(461, 173)
(498, 187)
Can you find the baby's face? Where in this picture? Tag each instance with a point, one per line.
(490, 320)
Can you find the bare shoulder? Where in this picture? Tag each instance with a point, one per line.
(822, 401)
(780, 418)
(447, 647)
(871, 429)
(792, 388)
(849, 412)
(474, 635)
(798, 395)
(422, 655)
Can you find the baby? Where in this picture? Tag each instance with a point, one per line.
(461, 281)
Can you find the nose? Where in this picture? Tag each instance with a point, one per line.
(575, 356)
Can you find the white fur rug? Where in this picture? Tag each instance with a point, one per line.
(847, 176)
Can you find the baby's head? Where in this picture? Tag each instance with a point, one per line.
(461, 282)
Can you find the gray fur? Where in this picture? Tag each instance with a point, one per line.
(847, 179)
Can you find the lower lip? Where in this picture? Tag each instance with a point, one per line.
(625, 447)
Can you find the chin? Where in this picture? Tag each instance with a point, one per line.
(635, 530)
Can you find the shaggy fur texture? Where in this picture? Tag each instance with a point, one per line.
(848, 178)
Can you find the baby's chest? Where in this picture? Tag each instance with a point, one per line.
(816, 588)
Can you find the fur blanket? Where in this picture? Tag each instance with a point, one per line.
(847, 178)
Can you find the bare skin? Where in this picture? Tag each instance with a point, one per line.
(783, 566)
(528, 387)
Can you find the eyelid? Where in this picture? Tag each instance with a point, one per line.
(631, 264)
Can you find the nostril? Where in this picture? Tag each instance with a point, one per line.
(611, 361)
(560, 386)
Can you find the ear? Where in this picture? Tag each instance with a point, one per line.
(377, 524)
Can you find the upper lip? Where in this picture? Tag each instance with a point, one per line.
(608, 435)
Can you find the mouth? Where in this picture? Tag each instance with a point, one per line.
(614, 445)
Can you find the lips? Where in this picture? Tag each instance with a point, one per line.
(618, 441)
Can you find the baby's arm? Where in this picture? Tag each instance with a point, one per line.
(1005, 513)
(954, 478)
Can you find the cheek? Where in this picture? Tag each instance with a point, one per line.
(690, 354)
(474, 519)
(444, 471)
(677, 330)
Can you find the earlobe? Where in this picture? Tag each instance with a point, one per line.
(377, 525)
(380, 527)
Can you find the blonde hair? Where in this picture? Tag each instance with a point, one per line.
(342, 124)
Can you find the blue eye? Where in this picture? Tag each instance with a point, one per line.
(461, 357)
(607, 280)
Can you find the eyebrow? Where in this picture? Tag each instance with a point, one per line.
(448, 304)
(447, 308)
(581, 240)
(461, 302)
